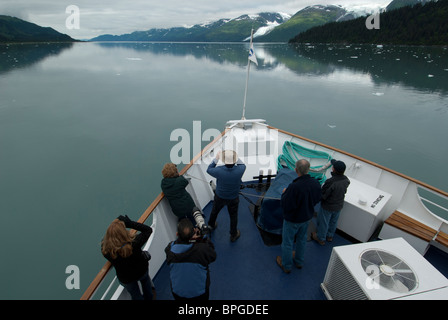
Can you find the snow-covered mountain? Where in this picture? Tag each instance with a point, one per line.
(223, 30)
(268, 26)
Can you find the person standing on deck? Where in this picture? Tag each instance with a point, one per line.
(228, 184)
(333, 195)
(298, 201)
(123, 250)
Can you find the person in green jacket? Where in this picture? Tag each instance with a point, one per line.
(173, 186)
(182, 204)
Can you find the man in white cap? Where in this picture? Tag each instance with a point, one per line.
(228, 183)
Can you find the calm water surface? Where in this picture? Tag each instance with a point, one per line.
(85, 130)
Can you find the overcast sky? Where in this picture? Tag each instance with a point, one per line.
(98, 17)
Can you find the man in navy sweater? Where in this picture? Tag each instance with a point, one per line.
(228, 183)
(298, 201)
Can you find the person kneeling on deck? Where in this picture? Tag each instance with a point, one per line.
(298, 201)
(188, 258)
(333, 195)
(228, 184)
(173, 186)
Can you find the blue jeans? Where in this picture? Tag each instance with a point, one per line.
(327, 222)
(290, 231)
(134, 289)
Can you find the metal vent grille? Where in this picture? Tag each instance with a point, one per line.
(339, 283)
(393, 273)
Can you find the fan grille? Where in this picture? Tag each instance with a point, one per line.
(388, 271)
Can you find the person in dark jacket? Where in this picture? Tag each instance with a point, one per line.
(188, 259)
(173, 186)
(333, 195)
(123, 249)
(298, 201)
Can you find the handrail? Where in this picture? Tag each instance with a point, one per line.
(433, 203)
(108, 288)
(87, 295)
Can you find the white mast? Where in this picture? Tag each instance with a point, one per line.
(251, 54)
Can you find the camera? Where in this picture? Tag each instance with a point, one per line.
(200, 222)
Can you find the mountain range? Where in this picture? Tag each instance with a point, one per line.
(268, 26)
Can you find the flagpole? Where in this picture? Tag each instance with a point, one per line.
(247, 77)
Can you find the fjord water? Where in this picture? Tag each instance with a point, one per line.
(85, 130)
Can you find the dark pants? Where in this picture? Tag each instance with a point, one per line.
(232, 207)
(134, 289)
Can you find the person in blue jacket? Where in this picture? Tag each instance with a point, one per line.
(188, 259)
(228, 184)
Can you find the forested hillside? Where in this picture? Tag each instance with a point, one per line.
(417, 25)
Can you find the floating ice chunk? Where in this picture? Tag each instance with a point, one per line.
(332, 126)
(378, 94)
(430, 76)
(389, 149)
(354, 57)
(134, 59)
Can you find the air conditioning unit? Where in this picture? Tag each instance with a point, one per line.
(380, 270)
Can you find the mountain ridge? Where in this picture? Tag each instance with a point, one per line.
(13, 29)
(423, 23)
(268, 26)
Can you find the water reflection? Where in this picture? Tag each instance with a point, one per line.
(24, 55)
(421, 68)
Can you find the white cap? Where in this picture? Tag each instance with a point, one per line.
(229, 157)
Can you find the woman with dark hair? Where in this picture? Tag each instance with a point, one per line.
(123, 249)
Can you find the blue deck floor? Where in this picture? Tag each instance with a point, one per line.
(247, 270)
